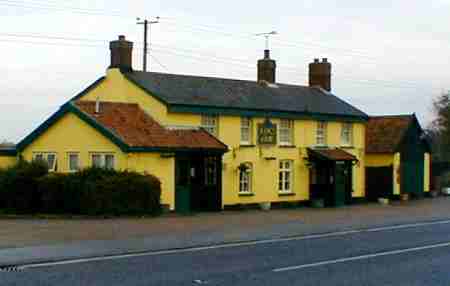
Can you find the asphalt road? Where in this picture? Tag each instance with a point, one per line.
(405, 256)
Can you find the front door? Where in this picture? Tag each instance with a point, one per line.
(340, 183)
(182, 185)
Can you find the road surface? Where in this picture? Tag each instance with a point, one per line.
(402, 255)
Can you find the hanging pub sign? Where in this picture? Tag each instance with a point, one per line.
(267, 133)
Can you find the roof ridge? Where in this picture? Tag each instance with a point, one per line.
(219, 78)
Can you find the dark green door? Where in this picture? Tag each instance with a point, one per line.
(182, 186)
(413, 180)
(340, 184)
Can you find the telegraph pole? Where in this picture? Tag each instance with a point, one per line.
(147, 25)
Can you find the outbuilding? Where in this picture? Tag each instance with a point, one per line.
(397, 157)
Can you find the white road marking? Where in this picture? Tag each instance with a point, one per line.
(229, 245)
(361, 257)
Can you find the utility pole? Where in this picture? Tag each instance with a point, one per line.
(147, 25)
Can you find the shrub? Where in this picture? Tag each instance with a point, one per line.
(19, 186)
(101, 192)
(27, 188)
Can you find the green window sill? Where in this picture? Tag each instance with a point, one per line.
(247, 146)
(246, 194)
(287, 146)
(286, 194)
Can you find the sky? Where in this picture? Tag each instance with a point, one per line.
(388, 57)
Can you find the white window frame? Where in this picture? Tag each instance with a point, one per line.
(103, 159)
(286, 132)
(45, 156)
(69, 167)
(246, 131)
(285, 176)
(321, 133)
(245, 178)
(211, 124)
(347, 134)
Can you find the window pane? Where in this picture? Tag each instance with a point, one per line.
(73, 162)
(96, 161)
(51, 158)
(39, 157)
(109, 161)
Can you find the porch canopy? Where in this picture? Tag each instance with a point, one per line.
(330, 154)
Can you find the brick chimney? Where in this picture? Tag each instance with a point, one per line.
(121, 54)
(266, 68)
(320, 74)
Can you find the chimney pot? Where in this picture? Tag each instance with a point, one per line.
(324, 60)
(316, 61)
(121, 38)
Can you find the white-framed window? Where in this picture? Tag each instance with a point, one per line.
(245, 178)
(347, 134)
(49, 158)
(211, 124)
(321, 133)
(74, 161)
(103, 160)
(246, 131)
(285, 176)
(286, 132)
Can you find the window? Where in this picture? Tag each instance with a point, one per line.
(106, 161)
(49, 158)
(74, 162)
(286, 132)
(347, 134)
(285, 176)
(321, 133)
(109, 161)
(246, 131)
(210, 171)
(210, 123)
(245, 178)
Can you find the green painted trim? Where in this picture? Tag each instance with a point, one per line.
(100, 128)
(88, 89)
(247, 195)
(247, 146)
(10, 152)
(176, 149)
(211, 110)
(286, 194)
(43, 127)
(287, 146)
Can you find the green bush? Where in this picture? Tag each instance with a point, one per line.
(19, 191)
(88, 192)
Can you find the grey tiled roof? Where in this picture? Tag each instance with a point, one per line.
(239, 94)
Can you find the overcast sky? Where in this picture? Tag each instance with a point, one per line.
(389, 57)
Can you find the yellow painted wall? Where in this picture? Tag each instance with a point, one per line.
(426, 180)
(265, 172)
(71, 134)
(117, 88)
(397, 174)
(379, 160)
(7, 161)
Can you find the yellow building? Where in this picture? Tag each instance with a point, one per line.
(213, 142)
(397, 157)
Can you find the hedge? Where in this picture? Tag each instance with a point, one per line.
(91, 191)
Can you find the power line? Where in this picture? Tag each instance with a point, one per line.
(190, 54)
